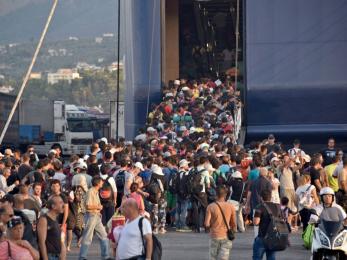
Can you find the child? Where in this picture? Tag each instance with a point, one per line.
(137, 196)
(289, 215)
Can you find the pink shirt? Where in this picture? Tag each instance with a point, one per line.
(17, 252)
(139, 200)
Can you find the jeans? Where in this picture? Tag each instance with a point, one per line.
(107, 213)
(93, 223)
(259, 250)
(158, 214)
(220, 249)
(53, 257)
(181, 212)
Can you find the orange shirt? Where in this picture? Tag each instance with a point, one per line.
(217, 226)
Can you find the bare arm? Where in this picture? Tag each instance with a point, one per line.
(232, 222)
(315, 196)
(42, 235)
(66, 213)
(33, 252)
(207, 219)
(149, 246)
(318, 184)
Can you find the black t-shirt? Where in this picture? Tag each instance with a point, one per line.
(315, 175)
(257, 187)
(23, 170)
(261, 212)
(328, 155)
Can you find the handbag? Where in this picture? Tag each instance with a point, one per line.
(230, 232)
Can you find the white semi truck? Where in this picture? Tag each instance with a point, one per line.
(59, 124)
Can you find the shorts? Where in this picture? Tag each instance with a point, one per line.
(171, 200)
(220, 249)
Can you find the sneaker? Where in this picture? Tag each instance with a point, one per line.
(185, 229)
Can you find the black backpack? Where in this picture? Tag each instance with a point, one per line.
(157, 248)
(173, 182)
(181, 185)
(106, 192)
(154, 191)
(276, 237)
(193, 184)
(120, 181)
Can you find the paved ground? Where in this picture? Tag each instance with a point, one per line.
(192, 246)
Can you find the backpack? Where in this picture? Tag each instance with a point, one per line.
(173, 182)
(157, 248)
(276, 237)
(154, 191)
(305, 198)
(181, 185)
(106, 192)
(193, 184)
(120, 181)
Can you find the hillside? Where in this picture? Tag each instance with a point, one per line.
(23, 20)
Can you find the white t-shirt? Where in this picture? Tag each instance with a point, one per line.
(111, 181)
(302, 189)
(130, 242)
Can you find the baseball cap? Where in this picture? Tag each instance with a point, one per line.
(104, 139)
(139, 165)
(184, 162)
(80, 164)
(14, 221)
(177, 82)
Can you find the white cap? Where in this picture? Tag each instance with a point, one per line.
(184, 162)
(53, 151)
(157, 170)
(139, 165)
(236, 175)
(169, 94)
(204, 146)
(177, 82)
(167, 154)
(185, 89)
(192, 130)
(150, 129)
(183, 128)
(8, 152)
(80, 164)
(275, 159)
(104, 139)
(85, 158)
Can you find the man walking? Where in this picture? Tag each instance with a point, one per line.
(48, 230)
(217, 213)
(93, 221)
(131, 243)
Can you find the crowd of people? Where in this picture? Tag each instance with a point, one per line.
(184, 171)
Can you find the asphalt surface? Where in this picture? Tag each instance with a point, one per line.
(193, 246)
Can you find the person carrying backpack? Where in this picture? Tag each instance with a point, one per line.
(182, 197)
(273, 229)
(198, 183)
(108, 196)
(156, 199)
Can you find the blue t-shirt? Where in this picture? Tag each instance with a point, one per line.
(253, 174)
